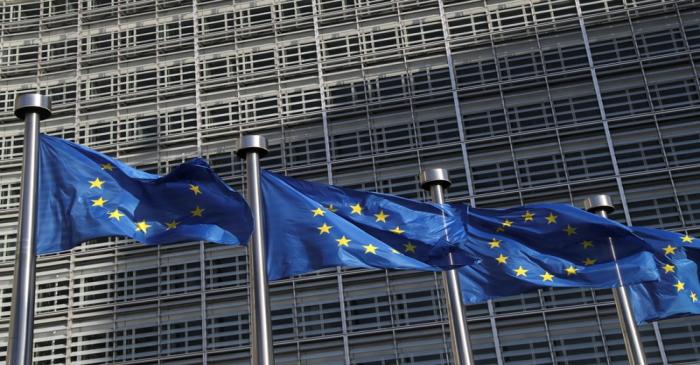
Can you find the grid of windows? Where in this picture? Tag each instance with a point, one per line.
(523, 101)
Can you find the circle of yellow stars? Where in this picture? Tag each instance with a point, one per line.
(526, 217)
(356, 209)
(669, 269)
(142, 226)
(669, 251)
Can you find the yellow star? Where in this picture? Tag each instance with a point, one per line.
(99, 202)
(680, 286)
(589, 261)
(502, 259)
(331, 208)
(669, 250)
(97, 183)
(507, 223)
(547, 276)
(571, 270)
(551, 218)
(669, 268)
(500, 229)
(370, 248)
(693, 297)
(570, 231)
(356, 209)
(116, 214)
(324, 229)
(393, 250)
(318, 211)
(107, 166)
(197, 212)
(520, 271)
(381, 217)
(528, 217)
(587, 244)
(142, 226)
(409, 247)
(195, 189)
(172, 225)
(397, 230)
(687, 238)
(343, 241)
(494, 243)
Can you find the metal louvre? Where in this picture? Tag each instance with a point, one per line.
(157, 82)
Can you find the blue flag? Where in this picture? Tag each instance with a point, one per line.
(84, 194)
(677, 293)
(310, 226)
(548, 245)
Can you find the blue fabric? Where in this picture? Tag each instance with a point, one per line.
(677, 257)
(548, 245)
(84, 194)
(310, 226)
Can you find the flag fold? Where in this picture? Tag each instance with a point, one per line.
(311, 226)
(84, 194)
(676, 293)
(549, 245)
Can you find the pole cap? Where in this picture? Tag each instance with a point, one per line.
(252, 143)
(33, 103)
(596, 203)
(429, 177)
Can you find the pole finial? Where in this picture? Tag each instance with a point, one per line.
(252, 143)
(599, 202)
(434, 176)
(36, 103)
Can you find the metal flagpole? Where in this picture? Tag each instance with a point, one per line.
(436, 180)
(32, 108)
(252, 147)
(602, 205)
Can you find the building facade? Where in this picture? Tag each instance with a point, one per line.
(523, 101)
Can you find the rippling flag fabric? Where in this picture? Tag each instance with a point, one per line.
(84, 194)
(311, 226)
(676, 293)
(548, 245)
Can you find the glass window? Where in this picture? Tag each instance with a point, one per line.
(586, 152)
(563, 51)
(611, 43)
(623, 91)
(686, 184)
(538, 159)
(482, 113)
(637, 145)
(528, 106)
(492, 166)
(518, 59)
(651, 201)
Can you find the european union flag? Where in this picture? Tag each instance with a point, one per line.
(548, 245)
(310, 226)
(676, 293)
(84, 194)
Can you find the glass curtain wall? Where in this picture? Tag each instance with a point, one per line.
(362, 94)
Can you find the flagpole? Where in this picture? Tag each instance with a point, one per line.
(252, 147)
(602, 205)
(437, 180)
(32, 108)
